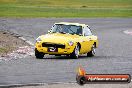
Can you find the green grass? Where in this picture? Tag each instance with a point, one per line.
(65, 8)
(3, 50)
(6, 49)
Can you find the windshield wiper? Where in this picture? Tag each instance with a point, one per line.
(53, 32)
(62, 32)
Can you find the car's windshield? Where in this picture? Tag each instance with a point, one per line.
(71, 29)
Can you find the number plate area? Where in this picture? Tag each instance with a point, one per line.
(52, 49)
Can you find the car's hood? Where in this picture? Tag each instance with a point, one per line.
(58, 38)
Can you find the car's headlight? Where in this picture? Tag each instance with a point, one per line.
(38, 39)
(71, 43)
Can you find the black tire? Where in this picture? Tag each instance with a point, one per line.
(81, 80)
(92, 52)
(39, 55)
(75, 53)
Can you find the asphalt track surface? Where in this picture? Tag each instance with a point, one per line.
(114, 54)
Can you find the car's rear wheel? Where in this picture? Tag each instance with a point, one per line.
(39, 55)
(75, 53)
(92, 52)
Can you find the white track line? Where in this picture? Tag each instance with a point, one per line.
(29, 42)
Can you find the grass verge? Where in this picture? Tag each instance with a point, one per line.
(66, 8)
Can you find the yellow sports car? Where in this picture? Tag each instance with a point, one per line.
(64, 38)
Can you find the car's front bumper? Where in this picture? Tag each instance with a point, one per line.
(62, 51)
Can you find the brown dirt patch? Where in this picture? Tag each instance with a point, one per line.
(9, 43)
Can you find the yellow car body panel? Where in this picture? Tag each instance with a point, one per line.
(85, 42)
(57, 38)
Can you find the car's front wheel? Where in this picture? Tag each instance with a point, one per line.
(39, 55)
(75, 53)
(92, 52)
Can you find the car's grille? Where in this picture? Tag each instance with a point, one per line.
(53, 45)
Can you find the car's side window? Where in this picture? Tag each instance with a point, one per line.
(87, 31)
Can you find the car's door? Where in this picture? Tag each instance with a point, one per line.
(87, 39)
